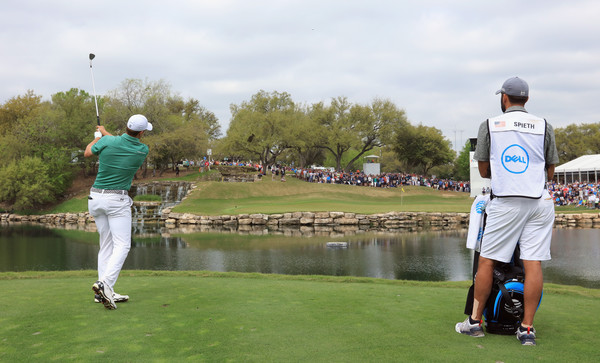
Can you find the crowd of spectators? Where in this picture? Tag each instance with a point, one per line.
(385, 180)
(575, 194)
(358, 178)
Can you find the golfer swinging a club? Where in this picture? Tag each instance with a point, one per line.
(109, 203)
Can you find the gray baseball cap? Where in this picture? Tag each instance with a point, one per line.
(516, 87)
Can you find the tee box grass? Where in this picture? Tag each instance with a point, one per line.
(235, 317)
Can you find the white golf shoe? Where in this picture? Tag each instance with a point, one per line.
(116, 298)
(105, 293)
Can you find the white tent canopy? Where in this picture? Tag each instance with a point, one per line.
(583, 169)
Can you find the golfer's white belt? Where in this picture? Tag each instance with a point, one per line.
(109, 191)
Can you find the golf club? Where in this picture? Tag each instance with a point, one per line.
(92, 56)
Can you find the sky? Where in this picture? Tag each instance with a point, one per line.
(440, 61)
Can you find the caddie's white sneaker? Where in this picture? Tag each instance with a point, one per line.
(106, 294)
(526, 335)
(474, 330)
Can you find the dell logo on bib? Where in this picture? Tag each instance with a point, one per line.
(515, 159)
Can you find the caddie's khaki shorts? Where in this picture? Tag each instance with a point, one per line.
(513, 220)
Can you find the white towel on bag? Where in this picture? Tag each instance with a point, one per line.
(476, 222)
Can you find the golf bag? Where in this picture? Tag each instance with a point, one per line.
(504, 308)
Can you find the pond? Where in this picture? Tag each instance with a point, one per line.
(424, 255)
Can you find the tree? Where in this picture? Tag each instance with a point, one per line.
(25, 183)
(16, 109)
(77, 123)
(358, 127)
(134, 96)
(77, 120)
(375, 125)
(306, 136)
(260, 129)
(462, 165)
(338, 129)
(574, 141)
(173, 146)
(422, 147)
(180, 127)
(192, 112)
(35, 132)
(389, 160)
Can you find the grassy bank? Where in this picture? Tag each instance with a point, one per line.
(216, 317)
(267, 196)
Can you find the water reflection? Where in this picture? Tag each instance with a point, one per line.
(423, 255)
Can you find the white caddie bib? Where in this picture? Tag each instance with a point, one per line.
(517, 154)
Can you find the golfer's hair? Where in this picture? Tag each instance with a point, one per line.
(132, 133)
(517, 100)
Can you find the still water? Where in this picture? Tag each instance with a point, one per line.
(426, 256)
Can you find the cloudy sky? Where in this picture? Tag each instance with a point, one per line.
(440, 61)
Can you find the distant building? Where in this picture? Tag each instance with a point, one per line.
(478, 184)
(371, 165)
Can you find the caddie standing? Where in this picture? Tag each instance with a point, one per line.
(517, 150)
(109, 202)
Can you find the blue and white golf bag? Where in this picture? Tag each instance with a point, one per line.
(504, 308)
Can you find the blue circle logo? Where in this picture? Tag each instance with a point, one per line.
(515, 159)
(480, 207)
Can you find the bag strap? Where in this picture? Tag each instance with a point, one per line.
(517, 312)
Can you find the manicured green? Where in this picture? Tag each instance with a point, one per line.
(273, 196)
(218, 317)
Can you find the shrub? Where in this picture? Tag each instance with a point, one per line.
(26, 183)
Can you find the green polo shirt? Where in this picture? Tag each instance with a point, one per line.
(120, 157)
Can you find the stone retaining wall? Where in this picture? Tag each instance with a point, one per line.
(383, 220)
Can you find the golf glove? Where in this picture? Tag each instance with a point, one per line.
(97, 134)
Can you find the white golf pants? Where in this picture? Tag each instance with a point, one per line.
(112, 213)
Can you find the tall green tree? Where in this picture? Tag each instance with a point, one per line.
(136, 96)
(192, 112)
(376, 124)
(261, 128)
(34, 167)
(338, 128)
(180, 127)
(574, 141)
(26, 183)
(358, 127)
(422, 147)
(16, 109)
(168, 148)
(50, 133)
(307, 136)
(462, 164)
(77, 114)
